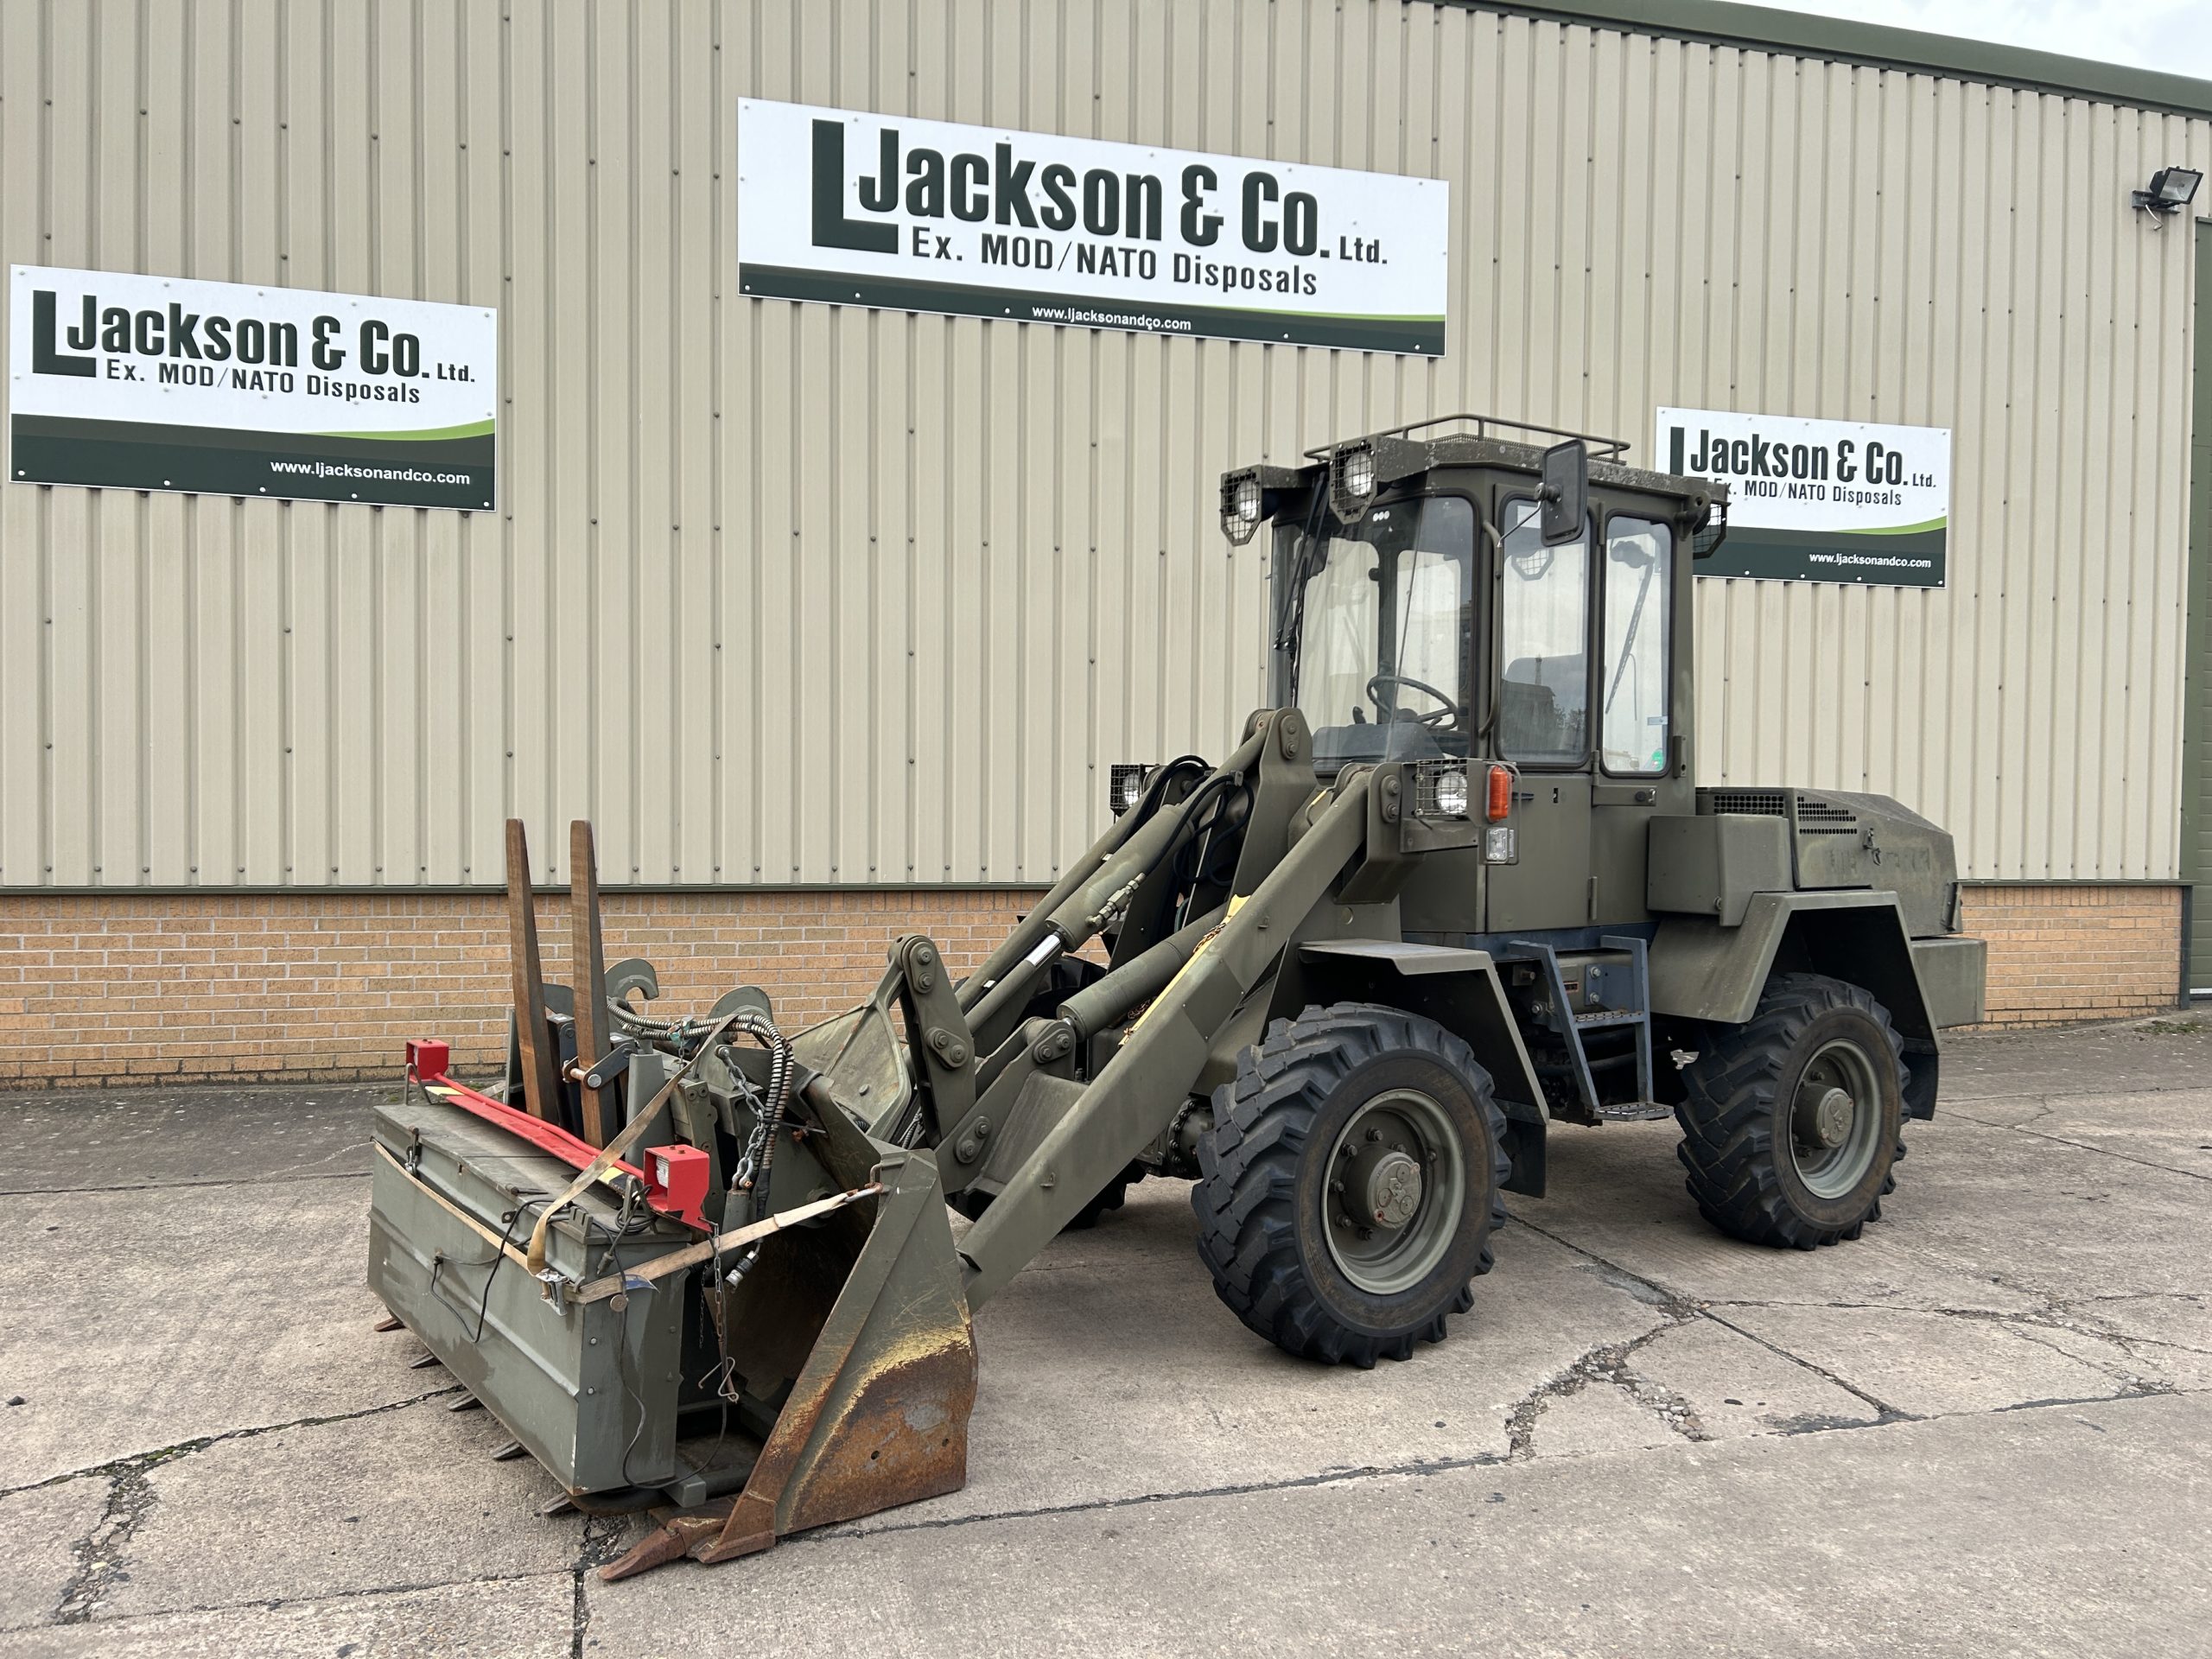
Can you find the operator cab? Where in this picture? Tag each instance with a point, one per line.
(1470, 601)
(1391, 554)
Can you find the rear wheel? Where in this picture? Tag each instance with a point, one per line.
(1793, 1122)
(1351, 1183)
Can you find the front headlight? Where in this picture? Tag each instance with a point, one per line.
(1451, 794)
(1440, 790)
(1124, 784)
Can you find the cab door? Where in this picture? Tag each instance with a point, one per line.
(1541, 682)
(1633, 712)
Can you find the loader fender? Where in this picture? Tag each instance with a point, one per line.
(1461, 991)
(1702, 970)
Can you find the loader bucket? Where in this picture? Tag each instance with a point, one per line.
(745, 1363)
(878, 1413)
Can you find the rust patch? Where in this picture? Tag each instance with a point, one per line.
(903, 1438)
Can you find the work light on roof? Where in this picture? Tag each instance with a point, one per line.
(1241, 507)
(1351, 481)
(2170, 189)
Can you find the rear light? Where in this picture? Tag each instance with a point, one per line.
(1500, 801)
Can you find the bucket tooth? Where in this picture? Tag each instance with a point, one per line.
(510, 1452)
(422, 1361)
(389, 1322)
(467, 1402)
(674, 1539)
(562, 1504)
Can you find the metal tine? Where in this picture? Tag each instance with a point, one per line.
(389, 1322)
(587, 970)
(510, 1452)
(467, 1402)
(541, 1083)
(422, 1360)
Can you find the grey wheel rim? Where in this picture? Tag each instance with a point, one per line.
(1397, 1184)
(1835, 1119)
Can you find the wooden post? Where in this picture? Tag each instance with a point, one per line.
(588, 973)
(540, 1081)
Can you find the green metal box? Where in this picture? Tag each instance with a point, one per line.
(590, 1389)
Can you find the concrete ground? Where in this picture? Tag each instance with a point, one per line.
(1986, 1427)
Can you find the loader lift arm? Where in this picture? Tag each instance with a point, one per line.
(1146, 1083)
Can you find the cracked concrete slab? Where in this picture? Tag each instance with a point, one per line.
(524, 1618)
(183, 1137)
(2077, 1060)
(1116, 1372)
(1596, 1417)
(2045, 1217)
(38, 1532)
(1617, 1192)
(1737, 1387)
(406, 1497)
(1927, 1364)
(2166, 1129)
(1164, 1446)
(2176, 1326)
(2051, 1532)
(141, 1319)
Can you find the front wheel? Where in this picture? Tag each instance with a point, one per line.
(1792, 1121)
(1350, 1183)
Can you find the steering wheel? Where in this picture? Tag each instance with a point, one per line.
(1434, 717)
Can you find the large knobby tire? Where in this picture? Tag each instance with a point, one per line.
(1347, 1105)
(1792, 1122)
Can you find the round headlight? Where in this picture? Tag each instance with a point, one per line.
(1246, 500)
(1451, 794)
(1359, 473)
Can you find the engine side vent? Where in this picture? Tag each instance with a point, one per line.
(1818, 817)
(1767, 802)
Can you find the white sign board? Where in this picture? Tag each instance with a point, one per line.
(161, 383)
(848, 208)
(1846, 501)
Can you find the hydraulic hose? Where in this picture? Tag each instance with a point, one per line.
(1116, 859)
(751, 1178)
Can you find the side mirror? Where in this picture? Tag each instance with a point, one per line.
(1564, 492)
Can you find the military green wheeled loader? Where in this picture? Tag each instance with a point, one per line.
(1455, 885)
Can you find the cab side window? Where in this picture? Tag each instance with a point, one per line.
(1544, 634)
(1633, 723)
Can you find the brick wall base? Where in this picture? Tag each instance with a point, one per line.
(2064, 953)
(103, 989)
(116, 988)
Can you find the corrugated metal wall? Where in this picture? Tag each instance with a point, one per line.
(788, 594)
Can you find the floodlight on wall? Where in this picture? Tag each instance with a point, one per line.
(2170, 189)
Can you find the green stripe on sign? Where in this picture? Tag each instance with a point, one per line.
(1898, 530)
(1407, 337)
(427, 435)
